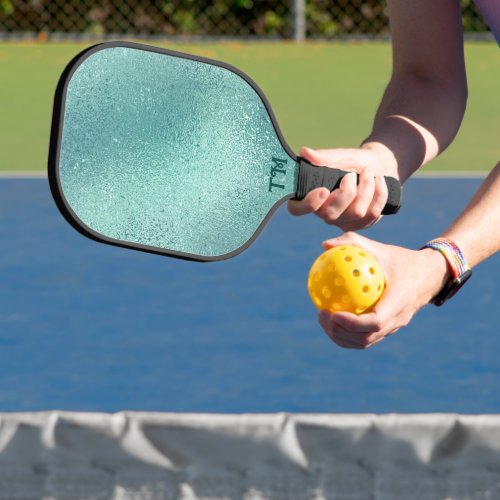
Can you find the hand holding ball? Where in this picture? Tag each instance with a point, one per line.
(346, 278)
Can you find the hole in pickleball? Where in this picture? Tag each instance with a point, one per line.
(356, 273)
(339, 281)
(363, 254)
(360, 309)
(326, 292)
(348, 258)
(337, 306)
(317, 276)
(372, 270)
(346, 299)
(366, 289)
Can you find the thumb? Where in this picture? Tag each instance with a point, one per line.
(349, 238)
(311, 155)
(352, 159)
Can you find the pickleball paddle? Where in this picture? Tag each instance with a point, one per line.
(171, 153)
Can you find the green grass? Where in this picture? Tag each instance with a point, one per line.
(323, 94)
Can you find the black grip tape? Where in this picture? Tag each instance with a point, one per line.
(312, 177)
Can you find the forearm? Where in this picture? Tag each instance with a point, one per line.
(424, 103)
(477, 230)
(416, 120)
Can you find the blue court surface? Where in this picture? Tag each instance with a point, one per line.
(90, 327)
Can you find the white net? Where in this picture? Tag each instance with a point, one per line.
(160, 456)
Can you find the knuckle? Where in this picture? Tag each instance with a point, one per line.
(329, 215)
(406, 320)
(330, 219)
(358, 211)
(373, 213)
(349, 190)
(381, 186)
(364, 344)
(366, 177)
(378, 325)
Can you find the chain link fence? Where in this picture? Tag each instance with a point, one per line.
(284, 19)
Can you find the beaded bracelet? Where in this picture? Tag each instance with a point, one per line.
(459, 268)
(452, 254)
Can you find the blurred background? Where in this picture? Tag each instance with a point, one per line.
(281, 19)
(323, 64)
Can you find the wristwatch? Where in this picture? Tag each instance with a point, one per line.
(460, 270)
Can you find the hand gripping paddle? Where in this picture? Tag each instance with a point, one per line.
(170, 153)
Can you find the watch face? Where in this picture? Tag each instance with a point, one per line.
(451, 288)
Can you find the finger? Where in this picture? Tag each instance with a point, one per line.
(342, 340)
(353, 341)
(348, 338)
(362, 340)
(366, 209)
(311, 203)
(380, 196)
(338, 334)
(312, 156)
(362, 324)
(365, 191)
(338, 201)
(344, 344)
(385, 318)
(372, 343)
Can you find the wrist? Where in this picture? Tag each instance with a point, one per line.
(437, 272)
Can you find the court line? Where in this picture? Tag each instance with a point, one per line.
(452, 174)
(12, 174)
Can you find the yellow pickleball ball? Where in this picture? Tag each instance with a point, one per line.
(346, 278)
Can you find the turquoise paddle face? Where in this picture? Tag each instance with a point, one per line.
(163, 152)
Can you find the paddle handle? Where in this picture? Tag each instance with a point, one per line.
(312, 177)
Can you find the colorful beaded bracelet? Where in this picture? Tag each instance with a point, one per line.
(456, 261)
(452, 254)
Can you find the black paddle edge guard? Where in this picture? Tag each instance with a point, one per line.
(312, 177)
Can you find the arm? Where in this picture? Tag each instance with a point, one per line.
(424, 103)
(419, 114)
(477, 230)
(415, 277)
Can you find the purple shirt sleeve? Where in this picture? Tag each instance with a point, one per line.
(490, 9)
